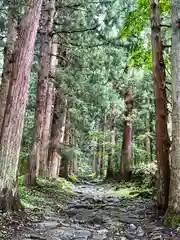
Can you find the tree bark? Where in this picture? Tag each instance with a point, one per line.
(13, 120)
(8, 62)
(45, 140)
(64, 167)
(97, 159)
(103, 127)
(57, 133)
(110, 167)
(162, 138)
(74, 167)
(46, 23)
(126, 154)
(174, 193)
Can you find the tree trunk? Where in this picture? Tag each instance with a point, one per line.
(173, 211)
(126, 154)
(162, 138)
(103, 127)
(110, 167)
(12, 127)
(46, 132)
(64, 167)
(57, 134)
(8, 62)
(97, 159)
(49, 111)
(46, 22)
(74, 168)
(151, 117)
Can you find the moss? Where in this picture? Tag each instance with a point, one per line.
(47, 195)
(93, 175)
(171, 220)
(73, 178)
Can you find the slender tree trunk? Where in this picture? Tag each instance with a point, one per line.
(162, 138)
(126, 154)
(74, 168)
(12, 127)
(94, 160)
(57, 133)
(49, 111)
(46, 22)
(103, 127)
(46, 132)
(97, 159)
(151, 117)
(173, 211)
(110, 167)
(64, 167)
(8, 62)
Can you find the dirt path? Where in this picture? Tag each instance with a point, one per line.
(95, 215)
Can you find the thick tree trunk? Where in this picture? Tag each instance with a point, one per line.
(162, 138)
(12, 127)
(173, 211)
(57, 133)
(8, 62)
(126, 154)
(46, 22)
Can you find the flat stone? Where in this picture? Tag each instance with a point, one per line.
(48, 225)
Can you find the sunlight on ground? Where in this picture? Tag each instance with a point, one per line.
(124, 192)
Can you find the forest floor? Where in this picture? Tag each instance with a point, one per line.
(90, 211)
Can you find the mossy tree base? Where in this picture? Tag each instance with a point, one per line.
(9, 200)
(172, 220)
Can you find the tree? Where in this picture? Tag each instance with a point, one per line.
(162, 138)
(7, 68)
(126, 154)
(112, 122)
(36, 159)
(173, 211)
(103, 129)
(57, 133)
(13, 120)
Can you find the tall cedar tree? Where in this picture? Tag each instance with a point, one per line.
(46, 24)
(162, 138)
(13, 120)
(126, 154)
(173, 210)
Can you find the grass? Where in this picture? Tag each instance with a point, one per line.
(129, 190)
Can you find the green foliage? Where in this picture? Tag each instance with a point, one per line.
(45, 192)
(145, 175)
(171, 220)
(140, 156)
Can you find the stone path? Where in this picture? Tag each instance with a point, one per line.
(93, 215)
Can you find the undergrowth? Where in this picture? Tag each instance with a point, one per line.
(47, 196)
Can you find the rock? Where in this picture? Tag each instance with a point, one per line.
(102, 231)
(48, 225)
(140, 232)
(132, 226)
